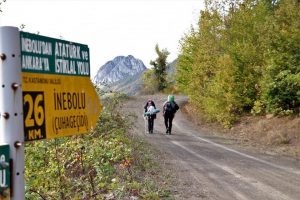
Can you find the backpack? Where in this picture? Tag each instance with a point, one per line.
(170, 108)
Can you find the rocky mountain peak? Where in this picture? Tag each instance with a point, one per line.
(118, 69)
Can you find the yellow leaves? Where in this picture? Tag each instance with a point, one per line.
(126, 163)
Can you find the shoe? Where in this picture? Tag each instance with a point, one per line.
(167, 131)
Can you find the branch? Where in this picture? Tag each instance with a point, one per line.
(34, 191)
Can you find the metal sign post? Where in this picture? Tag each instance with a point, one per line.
(11, 106)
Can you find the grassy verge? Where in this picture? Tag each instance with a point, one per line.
(107, 163)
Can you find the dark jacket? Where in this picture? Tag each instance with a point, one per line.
(174, 105)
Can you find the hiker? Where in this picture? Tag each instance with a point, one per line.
(150, 110)
(170, 107)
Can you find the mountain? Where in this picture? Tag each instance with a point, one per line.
(122, 74)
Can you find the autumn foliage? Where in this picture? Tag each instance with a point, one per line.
(242, 57)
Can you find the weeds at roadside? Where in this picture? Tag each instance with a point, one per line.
(107, 163)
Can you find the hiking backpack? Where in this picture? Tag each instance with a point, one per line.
(170, 108)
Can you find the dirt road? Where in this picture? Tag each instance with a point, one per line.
(212, 167)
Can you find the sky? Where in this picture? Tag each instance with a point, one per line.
(109, 27)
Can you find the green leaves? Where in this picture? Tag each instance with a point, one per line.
(243, 52)
(150, 84)
(160, 67)
(281, 80)
(102, 163)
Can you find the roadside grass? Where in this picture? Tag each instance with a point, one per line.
(107, 163)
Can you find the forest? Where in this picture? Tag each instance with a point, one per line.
(242, 57)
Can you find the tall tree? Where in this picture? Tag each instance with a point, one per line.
(281, 92)
(160, 67)
(189, 46)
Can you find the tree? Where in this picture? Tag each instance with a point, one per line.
(281, 91)
(220, 65)
(160, 67)
(189, 45)
(150, 85)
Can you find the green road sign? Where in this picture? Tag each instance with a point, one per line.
(41, 54)
(59, 98)
(4, 172)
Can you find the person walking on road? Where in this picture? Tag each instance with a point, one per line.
(170, 107)
(150, 114)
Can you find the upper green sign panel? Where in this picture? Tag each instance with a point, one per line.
(40, 54)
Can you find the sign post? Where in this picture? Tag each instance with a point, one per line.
(11, 109)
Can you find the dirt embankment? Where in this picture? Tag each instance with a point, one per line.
(270, 134)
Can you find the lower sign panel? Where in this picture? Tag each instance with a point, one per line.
(58, 105)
